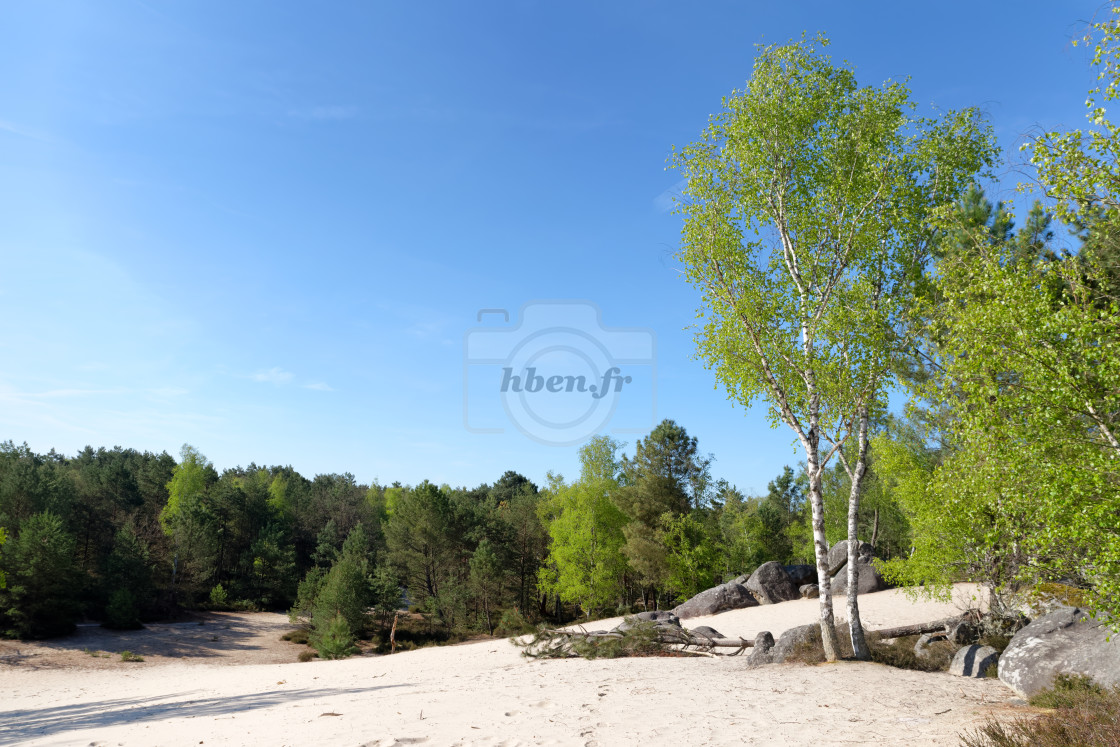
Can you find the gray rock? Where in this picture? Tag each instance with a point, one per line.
(838, 555)
(792, 638)
(870, 579)
(661, 618)
(718, 599)
(964, 632)
(921, 647)
(1065, 641)
(801, 575)
(771, 584)
(973, 661)
(763, 650)
(707, 632)
(810, 591)
(741, 580)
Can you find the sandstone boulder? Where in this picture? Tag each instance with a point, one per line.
(922, 646)
(810, 591)
(870, 579)
(763, 650)
(838, 555)
(1065, 641)
(707, 631)
(792, 639)
(973, 661)
(730, 596)
(801, 575)
(660, 618)
(771, 584)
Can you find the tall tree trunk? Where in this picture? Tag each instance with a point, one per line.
(829, 638)
(875, 529)
(859, 641)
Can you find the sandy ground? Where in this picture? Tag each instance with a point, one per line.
(485, 693)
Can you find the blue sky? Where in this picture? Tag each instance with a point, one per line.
(267, 229)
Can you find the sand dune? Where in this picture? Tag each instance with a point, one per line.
(487, 694)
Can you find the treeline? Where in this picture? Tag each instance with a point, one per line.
(122, 537)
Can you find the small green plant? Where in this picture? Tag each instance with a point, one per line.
(299, 635)
(96, 654)
(306, 656)
(129, 656)
(219, 598)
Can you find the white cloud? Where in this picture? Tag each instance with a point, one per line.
(274, 375)
(319, 386)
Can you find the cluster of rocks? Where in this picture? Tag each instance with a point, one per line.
(773, 583)
(1065, 641)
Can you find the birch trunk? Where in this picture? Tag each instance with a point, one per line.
(859, 642)
(829, 638)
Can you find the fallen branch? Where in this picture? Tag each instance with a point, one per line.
(917, 629)
(643, 639)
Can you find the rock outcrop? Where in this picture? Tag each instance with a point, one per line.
(973, 661)
(870, 579)
(1065, 641)
(771, 584)
(801, 575)
(660, 618)
(810, 591)
(730, 596)
(838, 555)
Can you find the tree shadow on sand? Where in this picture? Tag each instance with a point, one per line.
(16, 726)
(212, 635)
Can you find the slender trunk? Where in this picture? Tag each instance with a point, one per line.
(859, 641)
(875, 529)
(829, 638)
(486, 609)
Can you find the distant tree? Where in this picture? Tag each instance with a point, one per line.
(585, 563)
(41, 596)
(664, 480)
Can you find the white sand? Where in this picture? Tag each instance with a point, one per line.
(486, 693)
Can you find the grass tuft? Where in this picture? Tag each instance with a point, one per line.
(129, 656)
(1082, 713)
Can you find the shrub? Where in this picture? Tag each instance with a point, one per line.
(296, 636)
(306, 656)
(129, 656)
(512, 622)
(219, 598)
(121, 613)
(1083, 714)
(333, 638)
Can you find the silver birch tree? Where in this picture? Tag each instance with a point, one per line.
(807, 212)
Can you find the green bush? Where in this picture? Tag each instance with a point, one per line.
(219, 598)
(129, 656)
(333, 638)
(121, 612)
